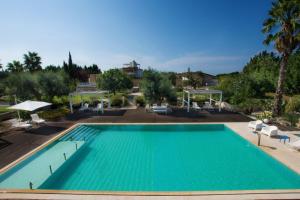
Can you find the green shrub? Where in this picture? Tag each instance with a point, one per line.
(3, 109)
(264, 115)
(267, 104)
(54, 114)
(24, 115)
(140, 100)
(250, 105)
(117, 100)
(292, 118)
(59, 101)
(200, 99)
(293, 104)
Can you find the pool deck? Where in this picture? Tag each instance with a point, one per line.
(273, 146)
(236, 122)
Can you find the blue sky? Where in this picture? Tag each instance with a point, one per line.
(214, 36)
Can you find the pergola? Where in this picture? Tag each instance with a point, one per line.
(203, 92)
(82, 93)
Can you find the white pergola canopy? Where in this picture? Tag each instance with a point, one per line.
(92, 92)
(203, 92)
(29, 105)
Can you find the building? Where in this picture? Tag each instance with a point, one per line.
(133, 70)
(93, 78)
(91, 85)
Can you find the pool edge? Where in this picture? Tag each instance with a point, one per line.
(139, 193)
(62, 133)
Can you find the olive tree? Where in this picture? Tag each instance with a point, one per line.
(157, 87)
(114, 80)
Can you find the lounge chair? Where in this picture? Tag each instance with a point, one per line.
(36, 119)
(85, 107)
(147, 108)
(295, 145)
(196, 106)
(98, 108)
(160, 109)
(164, 104)
(269, 130)
(207, 106)
(256, 125)
(15, 123)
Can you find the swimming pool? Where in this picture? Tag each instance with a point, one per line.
(177, 157)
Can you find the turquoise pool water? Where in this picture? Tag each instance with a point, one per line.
(151, 158)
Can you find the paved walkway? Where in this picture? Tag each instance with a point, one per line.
(289, 195)
(273, 146)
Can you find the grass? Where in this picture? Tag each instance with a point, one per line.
(3, 109)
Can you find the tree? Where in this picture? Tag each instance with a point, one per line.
(74, 71)
(15, 66)
(172, 76)
(156, 87)
(23, 84)
(1, 66)
(53, 68)
(263, 69)
(32, 62)
(53, 84)
(114, 80)
(93, 69)
(283, 29)
(70, 62)
(292, 83)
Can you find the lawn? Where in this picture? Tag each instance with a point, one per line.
(3, 109)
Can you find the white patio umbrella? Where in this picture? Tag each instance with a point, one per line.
(29, 105)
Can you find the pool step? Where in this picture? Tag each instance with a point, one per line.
(82, 133)
(34, 173)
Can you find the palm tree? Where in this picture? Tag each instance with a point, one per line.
(283, 29)
(15, 66)
(32, 61)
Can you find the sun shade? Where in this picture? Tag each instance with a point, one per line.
(29, 105)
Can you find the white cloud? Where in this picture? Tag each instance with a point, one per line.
(199, 59)
(196, 61)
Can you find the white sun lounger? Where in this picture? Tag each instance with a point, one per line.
(98, 108)
(160, 109)
(36, 119)
(196, 106)
(15, 123)
(269, 130)
(207, 106)
(84, 107)
(295, 145)
(256, 125)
